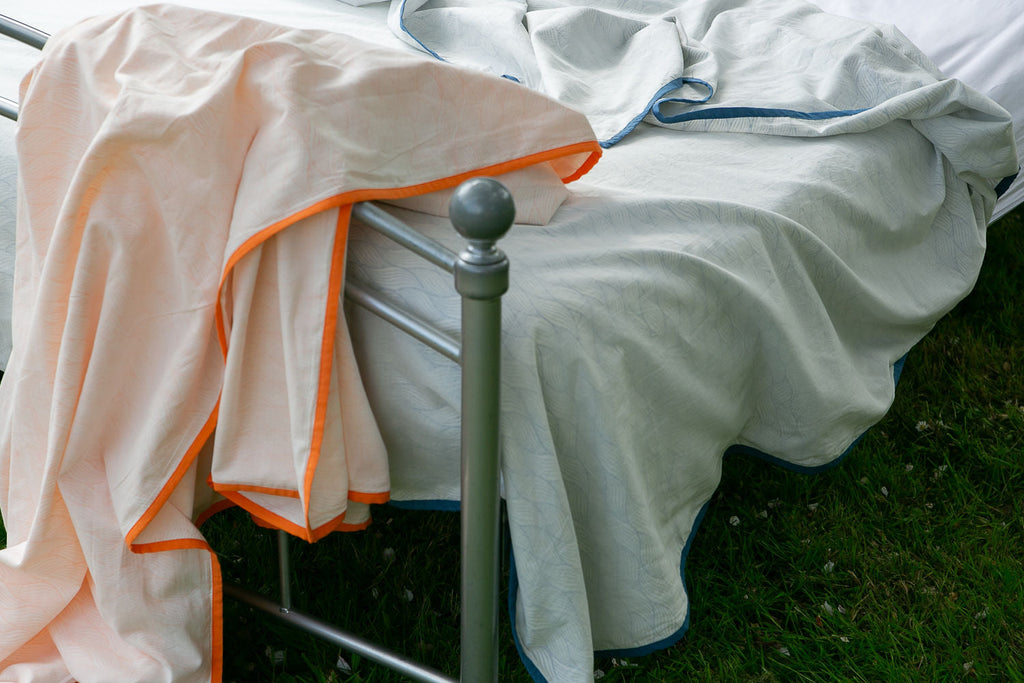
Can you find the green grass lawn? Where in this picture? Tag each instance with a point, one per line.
(904, 563)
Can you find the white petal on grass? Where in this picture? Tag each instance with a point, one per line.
(734, 520)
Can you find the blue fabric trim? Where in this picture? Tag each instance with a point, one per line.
(513, 593)
(531, 668)
(691, 81)
(513, 581)
(401, 23)
(674, 84)
(897, 370)
(716, 113)
(438, 504)
(1005, 183)
(674, 638)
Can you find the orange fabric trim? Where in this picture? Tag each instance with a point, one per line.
(263, 524)
(347, 528)
(253, 242)
(343, 202)
(360, 497)
(209, 512)
(595, 156)
(327, 352)
(171, 544)
(339, 524)
(217, 621)
(175, 478)
(353, 196)
(284, 493)
(336, 524)
(216, 594)
(269, 519)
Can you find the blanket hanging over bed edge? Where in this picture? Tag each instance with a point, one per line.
(186, 185)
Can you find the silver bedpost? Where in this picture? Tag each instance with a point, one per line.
(284, 570)
(482, 211)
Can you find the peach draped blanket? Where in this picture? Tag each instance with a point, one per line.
(186, 181)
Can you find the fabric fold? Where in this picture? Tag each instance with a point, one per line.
(187, 179)
(606, 60)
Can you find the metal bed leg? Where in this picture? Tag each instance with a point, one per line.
(482, 211)
(284, 570)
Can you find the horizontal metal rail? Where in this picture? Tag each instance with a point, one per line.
(433, 251)
(336, 636)
(386, 224)
(23, 33)
(411, 325)
(8, 109)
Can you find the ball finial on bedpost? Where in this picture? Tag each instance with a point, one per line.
(482, 210)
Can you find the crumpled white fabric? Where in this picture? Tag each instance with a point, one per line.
(605, 59)
(747, 275)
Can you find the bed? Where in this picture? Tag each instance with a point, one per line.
(682, 301)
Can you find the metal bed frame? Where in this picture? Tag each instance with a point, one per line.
(481, 211)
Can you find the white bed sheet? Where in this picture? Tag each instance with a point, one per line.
(615, 271)
(983, 51)
(979, 44)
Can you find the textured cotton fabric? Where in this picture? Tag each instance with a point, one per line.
(744, 271)
(741, 281)
(186, 182)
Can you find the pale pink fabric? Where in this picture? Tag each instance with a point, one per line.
(186, 180)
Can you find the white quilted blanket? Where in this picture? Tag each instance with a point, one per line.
(744, 272)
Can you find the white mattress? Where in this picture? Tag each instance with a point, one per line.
(695, 292)
(979, 44)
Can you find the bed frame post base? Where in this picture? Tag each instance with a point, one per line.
(482, 211)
